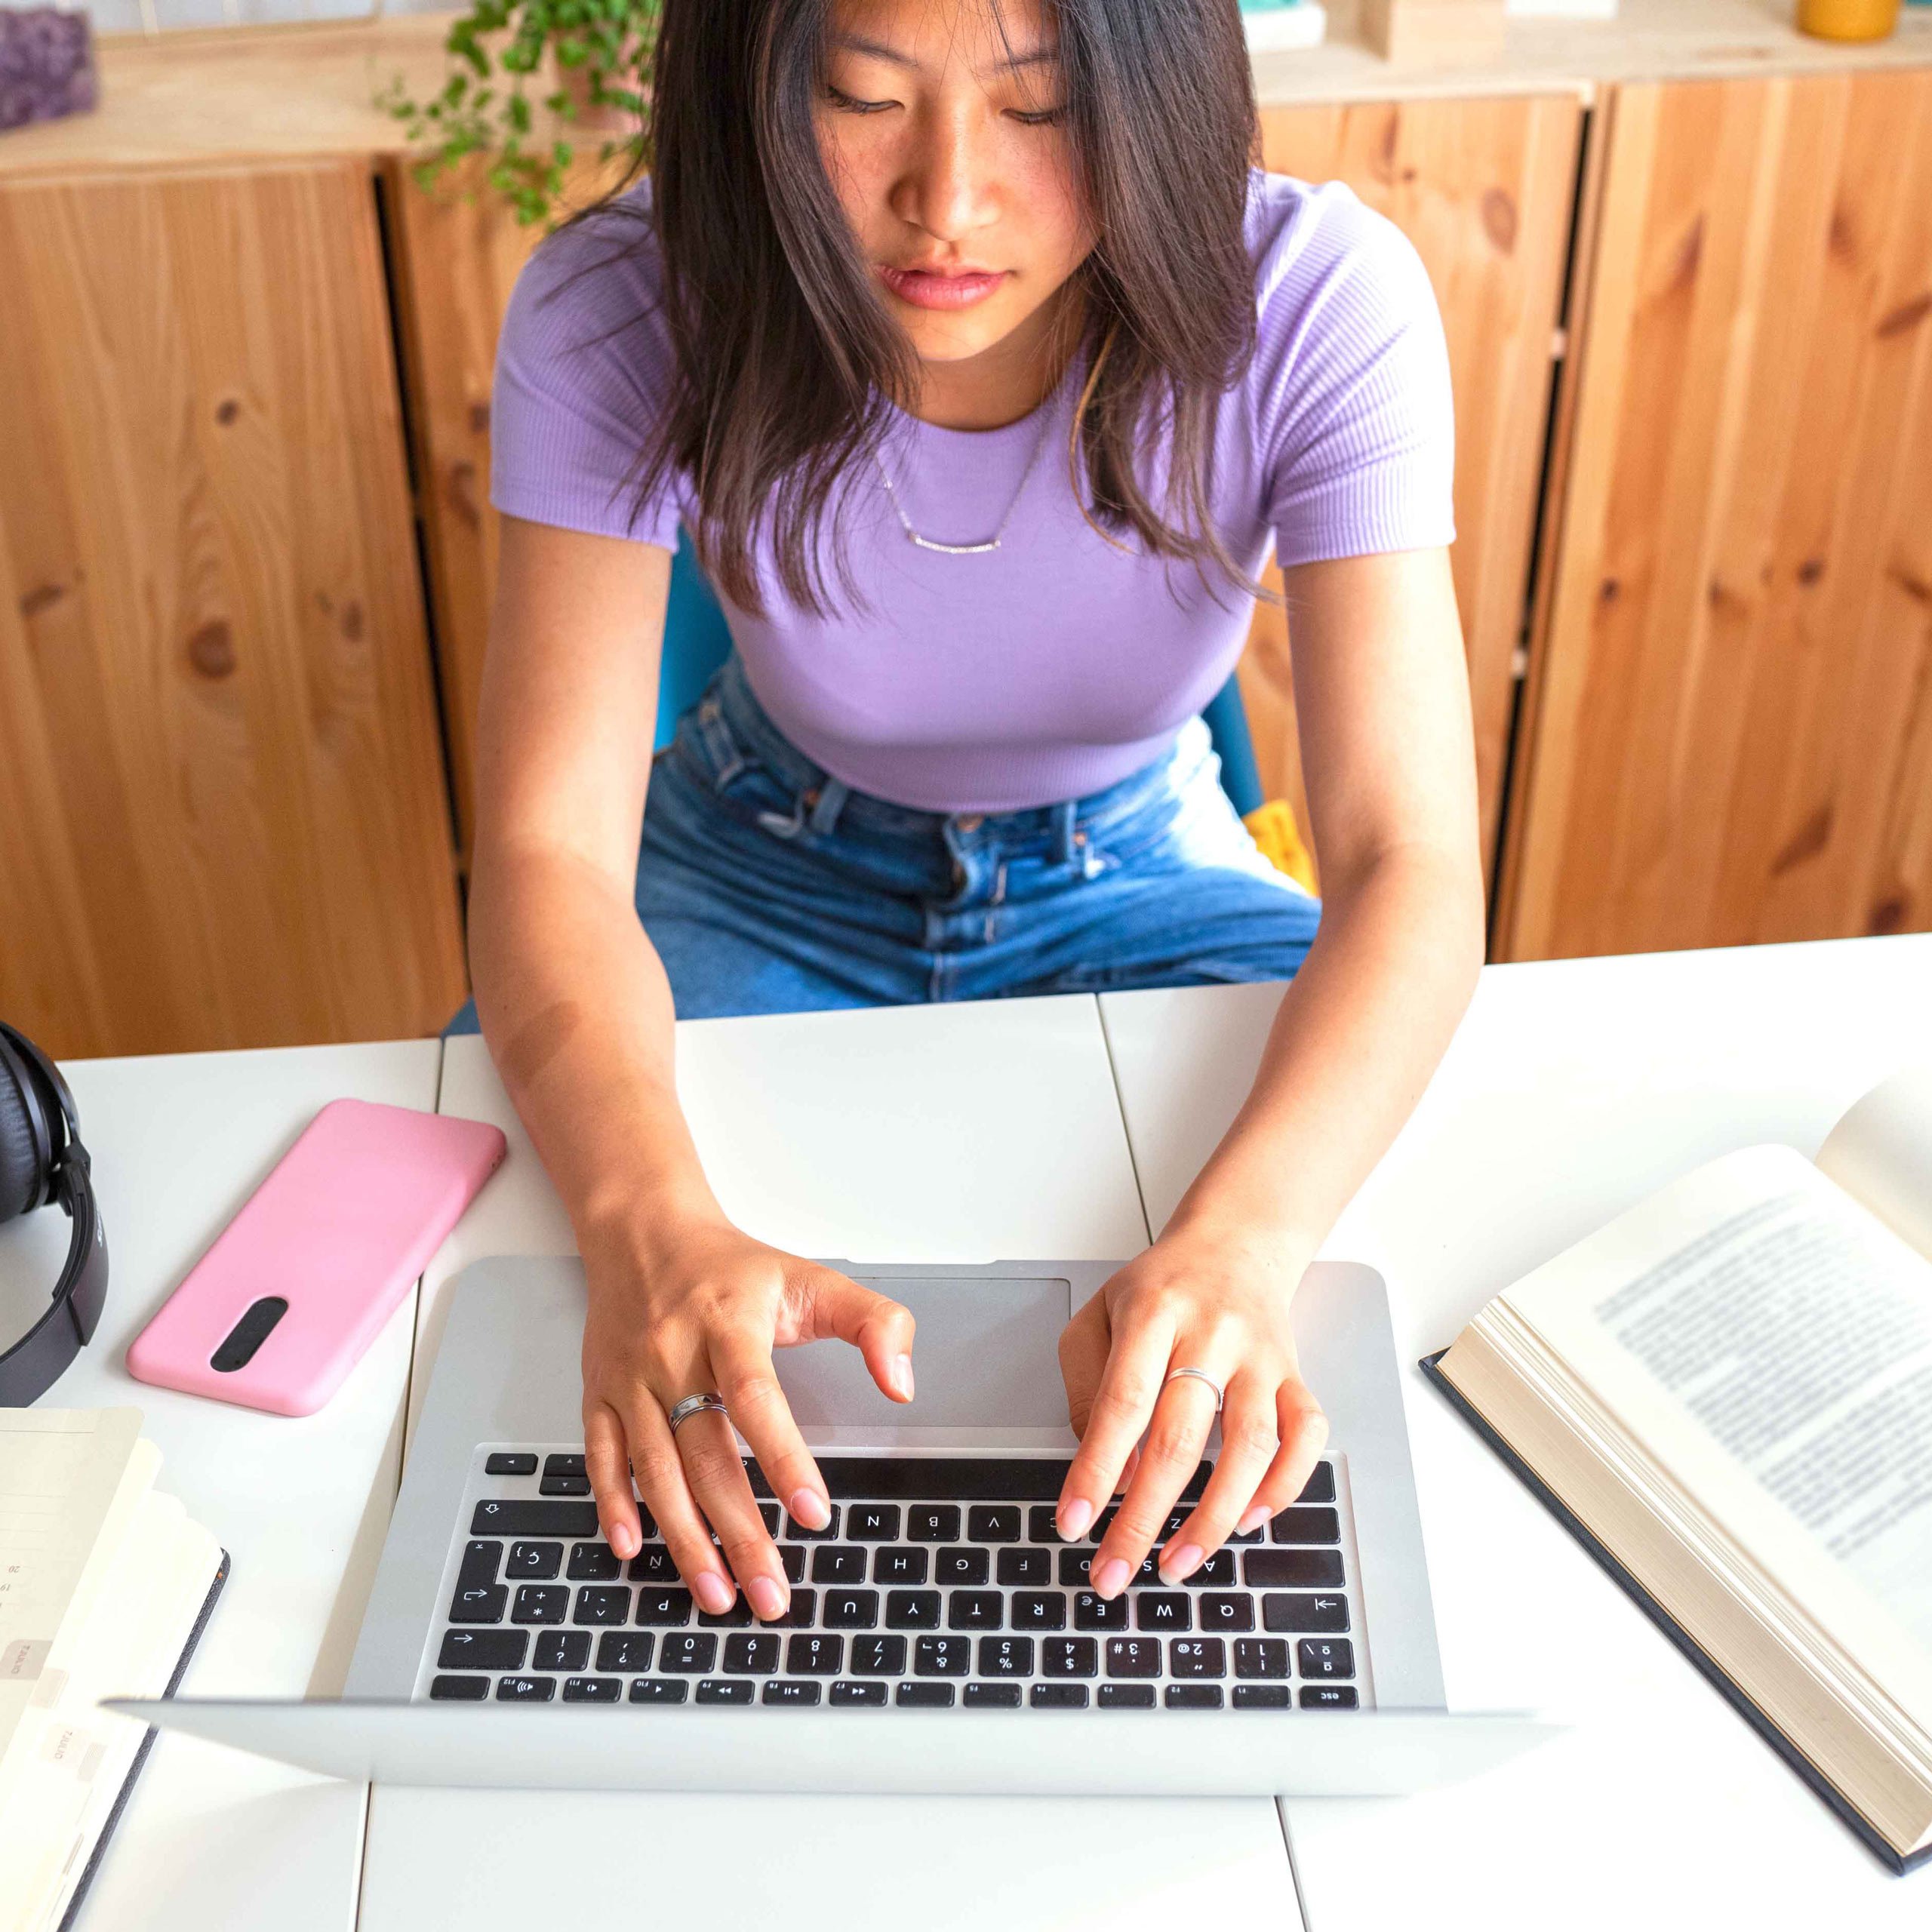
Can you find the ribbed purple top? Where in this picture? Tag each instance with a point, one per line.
(1058, 663)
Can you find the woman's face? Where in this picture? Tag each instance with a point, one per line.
(947, 144)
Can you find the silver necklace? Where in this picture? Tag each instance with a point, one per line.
(991, 542)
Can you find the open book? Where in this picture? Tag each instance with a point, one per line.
(1727, 1393)
(105, 1585)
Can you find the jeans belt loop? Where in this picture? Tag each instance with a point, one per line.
(831, 801)
(720, 748)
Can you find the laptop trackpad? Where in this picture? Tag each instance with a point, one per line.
(986, 1356)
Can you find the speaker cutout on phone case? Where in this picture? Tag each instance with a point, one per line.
(248, 1334)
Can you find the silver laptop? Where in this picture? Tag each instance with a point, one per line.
(941, 1638)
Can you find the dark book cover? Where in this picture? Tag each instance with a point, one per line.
(1676, 1632)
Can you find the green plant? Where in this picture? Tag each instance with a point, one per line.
(603, 51)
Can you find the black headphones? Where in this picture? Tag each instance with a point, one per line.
(42, 1164)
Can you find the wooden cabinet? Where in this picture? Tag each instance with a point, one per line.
(1484, 189)
(1728, 729)
(222, 816)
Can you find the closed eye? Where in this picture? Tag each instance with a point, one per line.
(847, 104)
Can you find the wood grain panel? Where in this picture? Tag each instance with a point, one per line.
(1484, 189)
(223, 819)
(1729, 732)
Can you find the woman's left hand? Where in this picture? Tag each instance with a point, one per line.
(1214, 1300)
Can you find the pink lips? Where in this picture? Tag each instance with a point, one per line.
(925, 289)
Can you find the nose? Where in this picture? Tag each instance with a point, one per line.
(948, 185)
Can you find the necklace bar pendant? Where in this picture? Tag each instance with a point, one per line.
(953, 550)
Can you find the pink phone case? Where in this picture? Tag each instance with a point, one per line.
(279, 1310)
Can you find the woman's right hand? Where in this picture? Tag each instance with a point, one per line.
(699, 1306)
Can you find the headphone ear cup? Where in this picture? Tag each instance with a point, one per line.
(20, 1177)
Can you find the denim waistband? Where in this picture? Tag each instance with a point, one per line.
(734, 730)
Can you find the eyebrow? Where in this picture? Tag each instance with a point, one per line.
(853, 43)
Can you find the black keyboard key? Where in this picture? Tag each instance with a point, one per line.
(525, 1689)
(625, 1650)
(1233, 1611)
(993, 1522)
(900, 1565)
(560, 1465)
(1133, 1656)
(792, 1691)
(593, 1563)
(602, 1603)
(738, 1617)
(912, 1609)
(1127, 1697)
(533, 1562)
(1324, 1656)
(1320, 1486)
(659, 1690)
(1013, 1567)
(480, 1561)
(1261, 1657)
(1217, 1572)
(564, 1486)
(1262, 1697)
(1297, 1525)
(1058, 1697)
(838, 1563)
(1070, 1657)
(1291, 1569)
(1006, 1656)
(482, 1650)
(768, 1515)
(663, 1609)
(1194, 1697)
(755, 1655)
(540, 1603)
(792, 1556)
(794, 1528)
(851, 1695)
(460, 1690)
(1039, 1610)
(801, 1613)
(511, 1463)
(689, 1653)
(1328, 1697)
(850, 1610)
(1197, 1657)
(1075, 1563)
(724, 1690)
(924, 1696)
(962, 1565)
(652, 1564)
(502, 1518)
(932, 1522)
(562, 1650)
(484, 1603)
(872, 1522)
(992, 1697)
(1042, 1523)
(942, 1657)
(975, 1610)
(812, 1655)
(878, 1657)
(1304, 1613)
(1093, 1613)
(1147, 1576)
(1164, 1612)
(592, 1690)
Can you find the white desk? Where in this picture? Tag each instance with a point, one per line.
(962, 1133)
(1572, 1090)
(212, 1837)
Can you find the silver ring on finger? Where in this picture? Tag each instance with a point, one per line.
(709, 1403)
(1200, 1375)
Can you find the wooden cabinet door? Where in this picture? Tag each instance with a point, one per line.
(1485, 189)
(1729, 722)
(222, 816)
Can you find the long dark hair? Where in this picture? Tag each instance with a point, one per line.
(787, 356)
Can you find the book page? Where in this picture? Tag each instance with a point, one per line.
(1770, 1343)
(1881, 1153)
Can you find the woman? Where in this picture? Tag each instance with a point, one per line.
(981, 368)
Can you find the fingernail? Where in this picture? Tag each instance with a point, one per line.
(767, 1598)
(1254, 1518)
(623, 1541)
(902, 1376)
(1181, 1562)
(714, 1593)
(809, 1508)
(1074, 1517)
(1111, 1578)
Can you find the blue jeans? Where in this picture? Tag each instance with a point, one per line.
(766, 886)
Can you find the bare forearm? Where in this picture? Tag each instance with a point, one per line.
(1359, 1034)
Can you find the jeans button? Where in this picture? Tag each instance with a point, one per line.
(971, 822)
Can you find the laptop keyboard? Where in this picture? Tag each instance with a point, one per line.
(940, 1583)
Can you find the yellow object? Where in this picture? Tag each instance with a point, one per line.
(1273, 828)
(1848, 19)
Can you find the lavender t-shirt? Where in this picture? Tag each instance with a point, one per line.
(1058, 663)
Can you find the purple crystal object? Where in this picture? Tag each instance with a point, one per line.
(46, 65)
